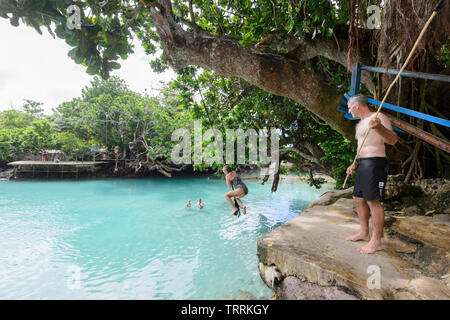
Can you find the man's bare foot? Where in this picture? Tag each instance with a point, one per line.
(245, 210)
(234, 212)
(369, 248)
(358, 237)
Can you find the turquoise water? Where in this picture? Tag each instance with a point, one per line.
(133, 239)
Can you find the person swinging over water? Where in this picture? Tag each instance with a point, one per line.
(240, 189)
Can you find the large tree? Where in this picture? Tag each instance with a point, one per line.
(274, 45)
(231, 103)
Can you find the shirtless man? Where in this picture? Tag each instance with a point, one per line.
(372, 171)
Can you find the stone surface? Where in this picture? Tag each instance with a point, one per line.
(427, 230)
(442, 218)
(428, 289)
(446, 279)
(6, 174)
(312, 247)
(428, 196)
(438, 199)
(396, 188)
(294, 289)
(404, 296)
(347, 203)
(397, 245)
(431, 186)
(331, 197)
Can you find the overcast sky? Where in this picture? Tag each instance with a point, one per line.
(36, 67)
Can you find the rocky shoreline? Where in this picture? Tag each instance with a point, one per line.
(104, 172)
(308, 258)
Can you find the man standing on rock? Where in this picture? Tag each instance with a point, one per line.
(371, 175)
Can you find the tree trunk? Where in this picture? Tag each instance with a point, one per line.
(273, 73)
(276, 176)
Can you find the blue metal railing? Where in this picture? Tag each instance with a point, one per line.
(355, 89)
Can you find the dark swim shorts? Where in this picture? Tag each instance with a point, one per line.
(370, 178)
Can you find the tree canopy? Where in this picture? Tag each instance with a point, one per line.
(295, 49)
(108, 115)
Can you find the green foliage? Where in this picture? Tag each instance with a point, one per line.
(340, 152)
(107, 114)
(444, 56)
(232, 103)
(71, 145)
(24, 131)
(283, 170)
(110, 114)
(8, 147)
(315, 182)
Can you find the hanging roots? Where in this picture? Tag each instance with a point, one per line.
(401, 25)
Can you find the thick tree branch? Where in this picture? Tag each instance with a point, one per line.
(331, 50)
(275, 74)
(306, 49)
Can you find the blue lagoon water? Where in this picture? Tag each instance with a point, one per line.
(133, 239)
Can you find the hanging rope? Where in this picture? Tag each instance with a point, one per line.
(436, 9)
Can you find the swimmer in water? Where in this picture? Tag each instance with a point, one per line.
(188, 204)
(200, 204)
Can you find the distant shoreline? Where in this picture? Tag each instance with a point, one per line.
(107, 172)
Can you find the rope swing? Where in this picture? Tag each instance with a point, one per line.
(435, 11)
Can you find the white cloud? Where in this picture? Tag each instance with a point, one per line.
(37, 67)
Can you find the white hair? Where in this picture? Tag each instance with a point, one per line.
(358, 98)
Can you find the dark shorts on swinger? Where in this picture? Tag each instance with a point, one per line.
(370, 178)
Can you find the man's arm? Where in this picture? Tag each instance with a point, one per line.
(383, 126)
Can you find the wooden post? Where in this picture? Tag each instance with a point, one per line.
(419, 133)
